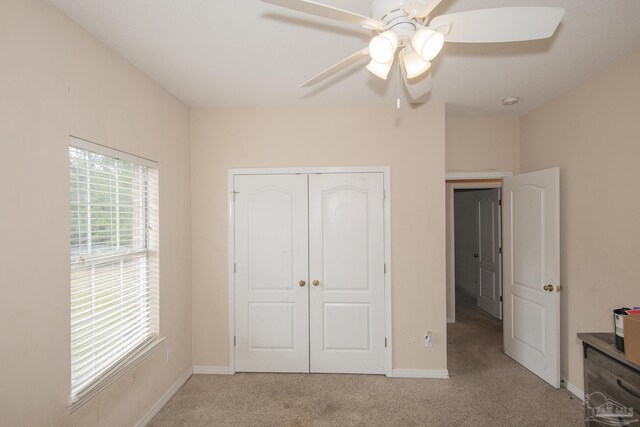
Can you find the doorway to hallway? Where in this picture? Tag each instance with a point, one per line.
(530, 275)
(478, 247)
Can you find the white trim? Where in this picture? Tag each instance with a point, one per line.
(451, 284)
(421, 373)
(231, 251)
(477, 175)
(387, 259)
(164, 399)
(111, 152)
(211, 370)
(308, 170)
(385, 170)
(573, 389)
(468, 292)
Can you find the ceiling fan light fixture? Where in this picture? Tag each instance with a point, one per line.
(382, 48)
(407, 25)
(380, 70)
(413, 64)
(427, 43)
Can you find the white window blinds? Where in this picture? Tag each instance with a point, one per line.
(114, 261)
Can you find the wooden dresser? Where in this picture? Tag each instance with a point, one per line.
(611, 383)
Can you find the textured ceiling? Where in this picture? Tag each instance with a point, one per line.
(219, 53)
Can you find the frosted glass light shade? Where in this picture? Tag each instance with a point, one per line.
(380, 70)
(427, 43)
(413, 64)
(382, 48)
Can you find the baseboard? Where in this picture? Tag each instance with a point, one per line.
(466, 292)
(211, 370)
(164, 399)
(420, 373)
(573, 389)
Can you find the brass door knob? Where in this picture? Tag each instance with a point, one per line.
(315, 283)
(302, 283)
(548, 288)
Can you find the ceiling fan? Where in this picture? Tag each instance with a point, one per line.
(404, 29)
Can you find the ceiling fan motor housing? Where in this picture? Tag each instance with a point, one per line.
(391, 13)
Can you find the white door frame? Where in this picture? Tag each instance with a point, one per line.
(451, 187)
(385, 170)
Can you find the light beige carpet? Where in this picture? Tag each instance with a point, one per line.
(486, 388)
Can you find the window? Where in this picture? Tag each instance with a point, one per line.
(114, 264)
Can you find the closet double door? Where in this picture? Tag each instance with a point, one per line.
(309, 273)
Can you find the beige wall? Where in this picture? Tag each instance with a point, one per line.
(593, 134)
(341, 136)
(56, 80)
(482, 144)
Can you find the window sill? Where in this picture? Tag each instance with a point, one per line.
(111, 376)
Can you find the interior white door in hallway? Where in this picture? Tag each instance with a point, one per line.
(489, 262)
(309, 280)
(531, 250)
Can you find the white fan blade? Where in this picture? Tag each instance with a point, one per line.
(330, 12)
(506, 24)
(430, 7)
(420, 8)
(412, 8)
(337, 67)
(417, 87)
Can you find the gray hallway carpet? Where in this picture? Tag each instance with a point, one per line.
(486, 388)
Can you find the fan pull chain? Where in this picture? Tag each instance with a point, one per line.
(399, 85)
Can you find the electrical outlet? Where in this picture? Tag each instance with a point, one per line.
(428, 340)
(167, 354)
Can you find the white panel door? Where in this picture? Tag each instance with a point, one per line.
(272, 318)
(532, 272)
(346, 261)
(488, 265)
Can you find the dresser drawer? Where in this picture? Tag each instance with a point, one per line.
(607, 379)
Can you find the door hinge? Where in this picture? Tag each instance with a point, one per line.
(500, 251)
(385, 343)
(385, 268)
(384, 194)
(500, 298)
(500, 202)
(234, 267)
(234, 340)
(235, 195)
